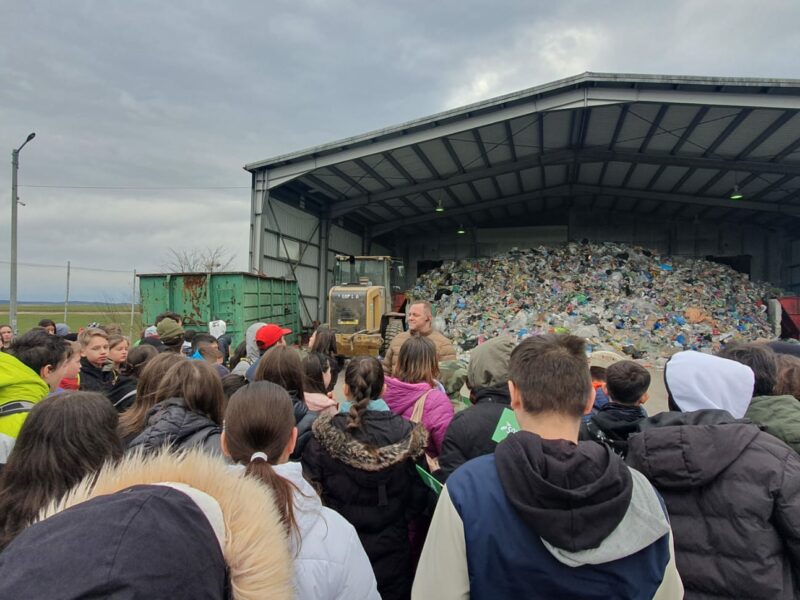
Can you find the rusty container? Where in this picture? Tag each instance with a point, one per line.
(239, 299)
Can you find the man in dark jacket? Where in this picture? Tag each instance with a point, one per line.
(732, 491)
(470, 432)
(546, 516)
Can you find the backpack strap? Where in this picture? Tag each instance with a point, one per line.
(15, 408)
(419, 407)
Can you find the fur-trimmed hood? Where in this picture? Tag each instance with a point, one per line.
(255, 545)
(364, 456)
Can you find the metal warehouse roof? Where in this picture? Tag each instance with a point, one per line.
(664, 146)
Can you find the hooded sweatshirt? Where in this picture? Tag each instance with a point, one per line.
(251, 347)
(698, 381)
(436, 415)
(18, 384)
(547, 519)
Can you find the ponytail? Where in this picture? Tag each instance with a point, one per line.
(364, 377)
(283, 489)
(259, 421)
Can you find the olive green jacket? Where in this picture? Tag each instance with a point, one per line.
(778, 416)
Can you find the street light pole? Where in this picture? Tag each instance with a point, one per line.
(12, 301)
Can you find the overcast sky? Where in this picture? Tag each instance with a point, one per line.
(163, 97)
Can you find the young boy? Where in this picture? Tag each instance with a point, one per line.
(72, 369)
(94, 354)
(546, 516)
(30, 369)
(627, 383)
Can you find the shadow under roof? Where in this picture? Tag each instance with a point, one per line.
(656, 145)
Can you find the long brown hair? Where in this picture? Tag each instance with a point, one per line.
(132, 421)
(64, 439)
(283, 366)
(316, 365)
(417, 361)
(364, 378)
(260, 418)
(198, 384)
(324, 341)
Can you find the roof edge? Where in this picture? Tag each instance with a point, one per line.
(567, 82)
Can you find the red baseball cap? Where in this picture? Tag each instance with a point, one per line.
(269, 335)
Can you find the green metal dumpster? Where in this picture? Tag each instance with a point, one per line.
(239, 299)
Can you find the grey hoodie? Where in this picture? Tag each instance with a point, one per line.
(253, 353)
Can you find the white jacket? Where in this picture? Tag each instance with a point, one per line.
(329, 561)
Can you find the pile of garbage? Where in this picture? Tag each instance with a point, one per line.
(618, 297)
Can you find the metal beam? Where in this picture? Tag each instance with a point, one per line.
(565, 157)
(484, 205)
(764, 135)
(654, 126)
(557, 157)
(696, 120)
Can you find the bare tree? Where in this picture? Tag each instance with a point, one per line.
(198, 260)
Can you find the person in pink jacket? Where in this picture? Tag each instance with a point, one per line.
(415, 376)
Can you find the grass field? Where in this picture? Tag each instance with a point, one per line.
(78, 315)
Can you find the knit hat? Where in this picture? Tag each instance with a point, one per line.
(269, 335)
(169, 331)
(151, 331)
(62, 329)
(488, 363)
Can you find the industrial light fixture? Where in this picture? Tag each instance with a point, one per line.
(735, 193)
(461, 230)
(439, 207)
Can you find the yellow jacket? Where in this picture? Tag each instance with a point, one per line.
(18, 382)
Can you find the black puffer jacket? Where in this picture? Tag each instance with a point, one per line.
(733, 496)
(171, 423)
(469, 434)
(368, 476)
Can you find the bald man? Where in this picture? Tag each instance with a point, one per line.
(420, 322)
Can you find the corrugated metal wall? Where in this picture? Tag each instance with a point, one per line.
(291, 249)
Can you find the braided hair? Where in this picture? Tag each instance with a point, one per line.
(364, 377)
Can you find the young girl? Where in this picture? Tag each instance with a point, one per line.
(364, 462)
(414, 394)
(283, 366)
(65, 438)
(118, 352)
(133, 420)
(323, 340)
(188, 410)
(260, 434)
(318, 380)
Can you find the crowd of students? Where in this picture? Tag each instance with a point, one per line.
(183, 467)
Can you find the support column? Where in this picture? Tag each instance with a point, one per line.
(258, 206)
(324, 234)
